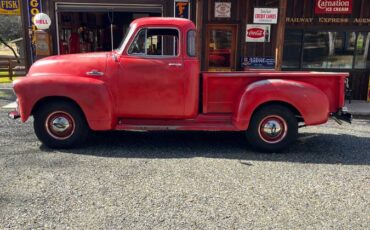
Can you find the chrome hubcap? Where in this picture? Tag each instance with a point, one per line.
(272, 129)
(60, 125)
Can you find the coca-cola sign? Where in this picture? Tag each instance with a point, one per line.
(333, 7)
(255, 33)
(258, 33)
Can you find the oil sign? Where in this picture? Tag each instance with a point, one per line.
(10, 7)
(34, 7)
(42, 21)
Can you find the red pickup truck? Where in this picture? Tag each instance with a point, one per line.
(153, 82)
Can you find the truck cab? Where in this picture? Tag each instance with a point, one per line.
(156, 72)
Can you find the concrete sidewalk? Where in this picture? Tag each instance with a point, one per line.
(358, 108)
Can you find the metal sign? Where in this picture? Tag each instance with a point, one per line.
(265, 15)
(10, 7)
(182, 9)
(42, 21)
(258, 33)
(34, 8)
(259, 62)
(333, 7)
(222, 9)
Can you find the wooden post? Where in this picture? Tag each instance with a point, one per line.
(199, 24)
(280, 34)
(10, 69)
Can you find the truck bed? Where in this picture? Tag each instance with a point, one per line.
(222, 89)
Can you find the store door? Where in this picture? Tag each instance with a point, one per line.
(220, 47)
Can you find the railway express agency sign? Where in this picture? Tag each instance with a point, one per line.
(10, 7)
(333, 7)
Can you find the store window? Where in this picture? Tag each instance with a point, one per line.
(155, 42)
(362, 57)
(221, 48)
(326, 50)
(191, 43)
(292, 48)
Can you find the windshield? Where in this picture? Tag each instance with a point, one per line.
(126, 38)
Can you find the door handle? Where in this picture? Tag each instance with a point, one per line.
(175, 64)
(94, 72)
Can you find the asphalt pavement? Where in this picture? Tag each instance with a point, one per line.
(185, 180)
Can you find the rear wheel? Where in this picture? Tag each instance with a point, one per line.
(272, 128)
(60, 125)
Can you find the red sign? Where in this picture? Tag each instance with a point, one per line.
(256, 33)
(333, 7)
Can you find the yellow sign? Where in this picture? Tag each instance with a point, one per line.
(10, 7)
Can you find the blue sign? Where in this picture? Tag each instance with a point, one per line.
(182, 9)
(33, 8)
(259, 62)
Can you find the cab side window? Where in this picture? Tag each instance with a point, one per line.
(156, 42)
(138, 45)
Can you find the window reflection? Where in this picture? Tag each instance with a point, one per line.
(329, 49)
(292, 48)
(220, 44)
(362, 57)
(326, 50)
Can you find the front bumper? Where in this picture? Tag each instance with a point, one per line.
(15, 114)
(342, 115)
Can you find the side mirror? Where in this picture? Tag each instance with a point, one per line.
(114, 57)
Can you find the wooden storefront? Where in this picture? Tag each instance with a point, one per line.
(335, 42)
(222, 37)
(308, 40)
(302, 39)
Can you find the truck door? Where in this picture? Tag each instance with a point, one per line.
(151, 79)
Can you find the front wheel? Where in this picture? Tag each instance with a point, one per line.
(60, 125)
(272, 128)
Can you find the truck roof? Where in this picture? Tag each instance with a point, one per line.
(164, 21)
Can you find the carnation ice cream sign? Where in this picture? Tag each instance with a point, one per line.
(258, 33)
(333, 7)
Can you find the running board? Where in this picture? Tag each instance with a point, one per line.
(201, 123)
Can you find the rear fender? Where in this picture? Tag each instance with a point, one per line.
(308, 100)
(90, 94)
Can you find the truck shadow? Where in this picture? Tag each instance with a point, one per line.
(309, 148)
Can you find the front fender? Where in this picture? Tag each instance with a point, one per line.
(90, 94)
(311, 102)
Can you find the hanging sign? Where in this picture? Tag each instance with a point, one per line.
(182, 9)
(10, 7)
(333, 6)
(265, 15)
(257, 33)
(34, 7)
(222, 9)
(42, 21)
